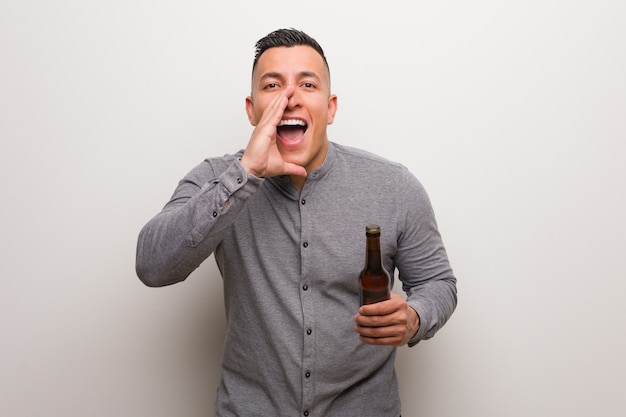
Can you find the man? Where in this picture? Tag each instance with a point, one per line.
(285, 219)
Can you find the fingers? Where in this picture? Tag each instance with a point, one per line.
(293, 169)
(395, 302)
(384, 323)
(388, 338)
(382, 334)
(274, 112)
(374, 322)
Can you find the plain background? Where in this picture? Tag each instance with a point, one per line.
(512, 114)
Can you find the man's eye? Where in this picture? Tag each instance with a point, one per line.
(271, 85)
(308, 85)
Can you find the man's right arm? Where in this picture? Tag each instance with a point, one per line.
(178, 239)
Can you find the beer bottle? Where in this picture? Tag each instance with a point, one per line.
(374, 281)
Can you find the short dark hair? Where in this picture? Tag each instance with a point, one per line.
(286, 37)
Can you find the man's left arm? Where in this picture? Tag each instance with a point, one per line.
(425, 272)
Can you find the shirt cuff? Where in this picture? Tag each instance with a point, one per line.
(423, 327)
(236, 177)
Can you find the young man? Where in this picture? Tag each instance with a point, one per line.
(285, 219)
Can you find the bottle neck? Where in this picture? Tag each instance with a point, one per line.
(373, 258)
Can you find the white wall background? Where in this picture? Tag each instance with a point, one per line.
(512, 114)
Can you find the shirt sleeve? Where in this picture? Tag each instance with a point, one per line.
(424, 270)
(191, 225)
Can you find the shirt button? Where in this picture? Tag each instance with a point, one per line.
(305, 287)
(306, 414)
(303, 201)
(239, 180)
(215, 214)
(308, 374)
(309, 331)
(305, 244)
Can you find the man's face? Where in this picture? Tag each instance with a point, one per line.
(302, 137)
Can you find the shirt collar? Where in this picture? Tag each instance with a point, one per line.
(331, 155)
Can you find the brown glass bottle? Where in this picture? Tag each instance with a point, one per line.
(374, 280)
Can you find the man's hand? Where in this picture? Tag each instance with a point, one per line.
(392, 322)
(262, 157)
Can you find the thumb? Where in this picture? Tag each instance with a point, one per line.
(293, 169)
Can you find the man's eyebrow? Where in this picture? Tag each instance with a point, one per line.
(277, 75)
(270, 75)
(309, 74)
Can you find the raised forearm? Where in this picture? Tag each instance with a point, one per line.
(177, 240)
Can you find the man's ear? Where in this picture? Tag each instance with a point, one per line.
(250, 110)
(332, 108)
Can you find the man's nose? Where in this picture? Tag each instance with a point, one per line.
(295, 100)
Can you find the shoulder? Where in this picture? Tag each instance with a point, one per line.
(362, 168)
(363, 162)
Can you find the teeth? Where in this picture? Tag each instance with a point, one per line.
(291, 122)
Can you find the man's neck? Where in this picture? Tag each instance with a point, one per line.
(319, 159)
(298, 181)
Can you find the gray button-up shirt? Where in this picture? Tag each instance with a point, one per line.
(290, 262)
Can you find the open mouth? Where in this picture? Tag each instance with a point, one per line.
(291, 129)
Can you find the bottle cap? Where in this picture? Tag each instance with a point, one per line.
(372, 228)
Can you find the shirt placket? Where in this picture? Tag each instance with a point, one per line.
(307, 297)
